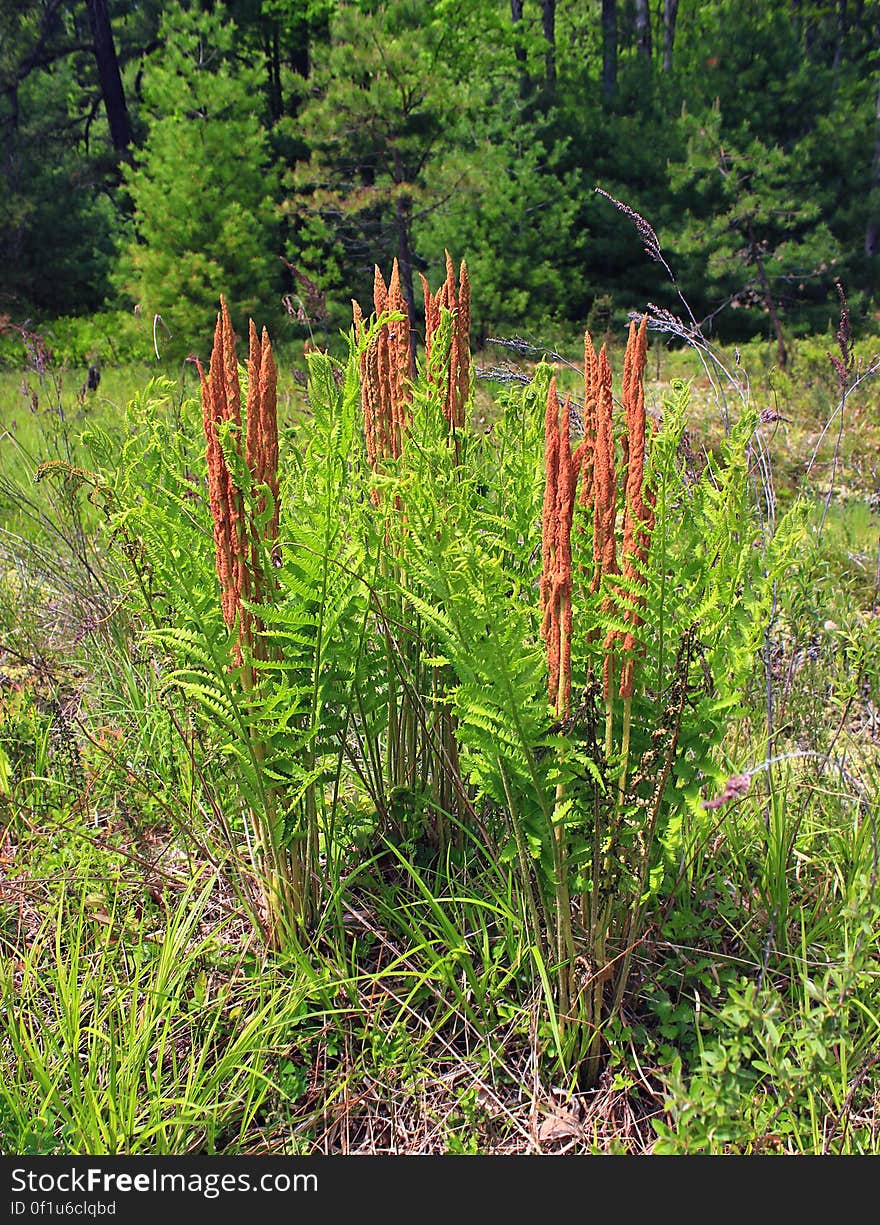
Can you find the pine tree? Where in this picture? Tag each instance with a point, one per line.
(201, 188)
(755, 235)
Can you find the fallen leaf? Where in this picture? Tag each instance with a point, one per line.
(560, 1125)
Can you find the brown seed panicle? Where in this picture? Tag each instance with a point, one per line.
(269, 432)
(604, 478)
(463, 332)
(604, 502)
(548, 530)
(400, 360)
(593, 463)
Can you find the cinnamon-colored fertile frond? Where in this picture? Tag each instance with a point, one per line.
(586, 452)
(239, 556)
(216, 378)
(604, 482)
(400, 359)
(457, 301)
(628, 357)
(225, 498)
(605, 501)
(254, 441)
(386, 372)
(551, 469)
(591, 391)
(565, 497)
(380, 291)
(634, 412)
(594, 463)
(218, 498)
(269, 431)
(463, 331)
(230, 366)
(556, 587)
(394, 295)
(639, 512)
(450, 281)
(385, 416)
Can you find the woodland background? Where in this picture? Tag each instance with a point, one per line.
(153, 153)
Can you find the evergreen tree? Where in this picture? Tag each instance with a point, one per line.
(58, 219)
(503, 206)
(382, 112)
(201, 188)
(751, 234)
(406, 126)
(420, 140)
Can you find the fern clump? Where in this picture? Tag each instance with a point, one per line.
(400, 635)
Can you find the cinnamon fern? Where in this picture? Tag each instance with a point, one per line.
(411, 637)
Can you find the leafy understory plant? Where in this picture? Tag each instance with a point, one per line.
(431, 639)
(418, 790)
(254, 670)
(586, 756)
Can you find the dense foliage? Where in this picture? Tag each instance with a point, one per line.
(193, 144)
(303, 829)
(405, 754)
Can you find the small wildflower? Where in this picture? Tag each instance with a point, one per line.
(735, 788)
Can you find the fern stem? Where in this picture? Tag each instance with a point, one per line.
(525, 869)
(624, 749)
(609, 727)
(598, 952)
(564, 936)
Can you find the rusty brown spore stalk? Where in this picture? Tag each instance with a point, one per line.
(385, 372)
(638, 522)
(561, 467)
(595, 465)
(457, 300)
(604, 498)
(241, 544)
(622, 597)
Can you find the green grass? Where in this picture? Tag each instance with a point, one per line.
(139, 1013)
(133, 1033)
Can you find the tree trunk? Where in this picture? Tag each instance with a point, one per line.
(548, 25)
(11, 238)
(758, 261)
(291, 48)
(109, 77)
(872, 233)
(299, 48)
(516, 14)
(609, 49)
(272, 52)
(275, 73)
(670, 14)
(842, 31)
(643, 28)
